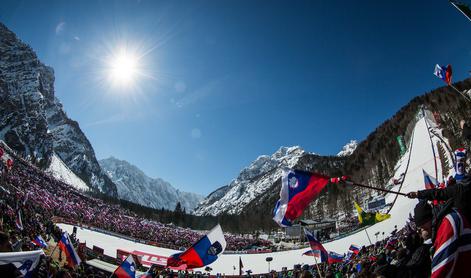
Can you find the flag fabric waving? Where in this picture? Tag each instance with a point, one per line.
(25, 262)
(444, 73)
(335, 258)
(298, 189)
(203, 252)
(315, 246)
(464, 9)
(430, 182)
(66, 246)
(370, 218)
(127, 269)
(354, 248)
(40, 242)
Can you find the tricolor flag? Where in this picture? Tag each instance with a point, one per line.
(127, 269)
(464, 9)
(66, 246)
(312, 253)
(315, 246)
(25, 262)
(335, 257)
(40, 242)
(203, 252)
(298, 189)
(444, 73)
(430, 182)
(354, 248)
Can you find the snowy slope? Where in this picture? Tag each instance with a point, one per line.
(252, 182)
(349, 148)
(135, 186)
(60, 171)
(421, 158)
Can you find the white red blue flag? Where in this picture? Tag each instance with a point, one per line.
(335, 257)
(444, 73)
(354, 248)
(430, 182)
(315, 246)
(66, 246)
(25, 262)
(298, 189)
(202, 253)
(40, 242)
(127, 269)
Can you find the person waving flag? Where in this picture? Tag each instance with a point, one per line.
(66, 246)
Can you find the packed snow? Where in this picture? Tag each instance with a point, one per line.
(60, 171)
(421, 158)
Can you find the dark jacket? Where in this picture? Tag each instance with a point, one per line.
(420, 264)
(466, 133)
(459, 194)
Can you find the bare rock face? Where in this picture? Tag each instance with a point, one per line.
(32, 120)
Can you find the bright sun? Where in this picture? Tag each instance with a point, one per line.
(123, 69)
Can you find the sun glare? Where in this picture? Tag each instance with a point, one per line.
(123, 69)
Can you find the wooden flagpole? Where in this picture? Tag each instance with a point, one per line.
(317, 265)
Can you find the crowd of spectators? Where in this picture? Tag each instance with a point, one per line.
(41, 197)
(435, 243)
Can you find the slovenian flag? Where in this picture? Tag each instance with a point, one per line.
(354, 248)
(127, 269)
(298, 189)
(66, 246)
(444, 73)
(40, 242)
(203, 252)
(25, 262)
(335, 258)
(315, 246)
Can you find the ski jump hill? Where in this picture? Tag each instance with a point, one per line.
(418, 156)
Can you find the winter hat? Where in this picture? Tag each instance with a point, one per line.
(422, 213)
(460, 154)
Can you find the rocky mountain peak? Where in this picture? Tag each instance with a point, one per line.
(32, 120)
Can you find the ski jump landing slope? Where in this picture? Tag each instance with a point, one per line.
(421, 158)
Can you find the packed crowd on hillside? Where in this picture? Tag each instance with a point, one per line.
(54, 198)
(436, 242)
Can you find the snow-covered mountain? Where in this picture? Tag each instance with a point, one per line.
(254, 182)
(32, 119)
(349, 148)
(135, 186)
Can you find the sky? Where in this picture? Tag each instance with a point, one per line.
(218, 83)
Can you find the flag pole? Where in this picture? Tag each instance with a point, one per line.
(368, 237)
(467, 16)
(375, 188)
(318, 269)
(458, 91)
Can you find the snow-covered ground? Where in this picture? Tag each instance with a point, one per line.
(60, 171)
(421, 158)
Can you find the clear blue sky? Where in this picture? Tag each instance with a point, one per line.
(227, 81)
